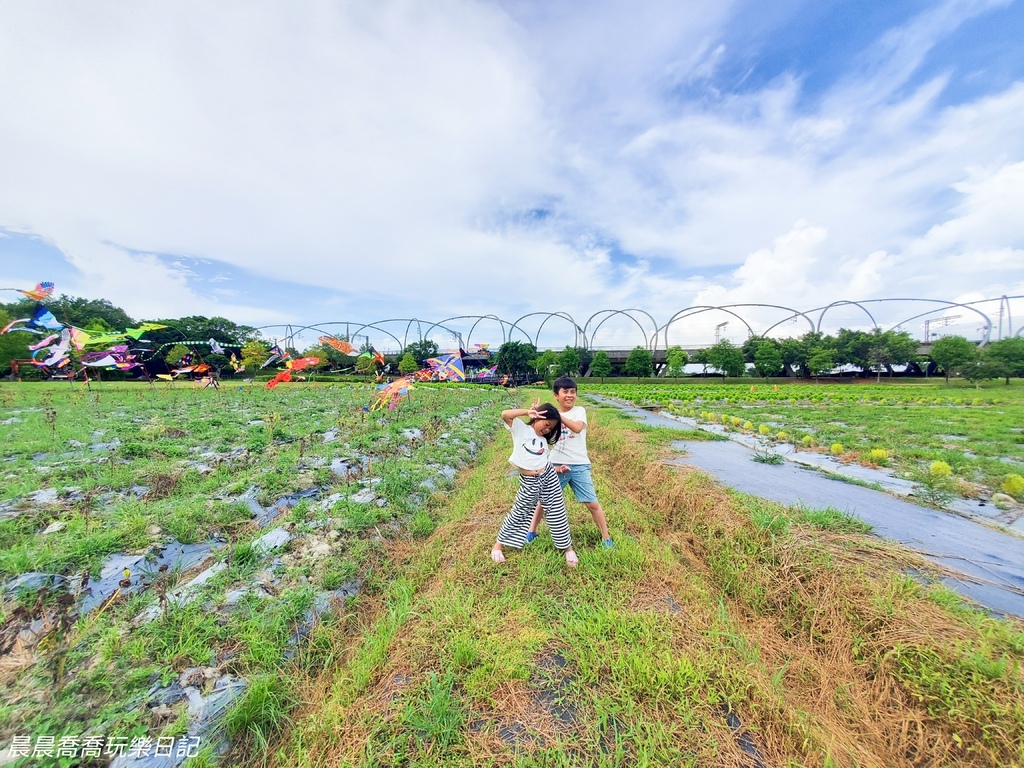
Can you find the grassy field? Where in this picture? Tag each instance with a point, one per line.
(92, 479)
(979, 433)
(722, 629)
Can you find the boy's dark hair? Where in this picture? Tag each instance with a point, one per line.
(563, 382)
(549, 411)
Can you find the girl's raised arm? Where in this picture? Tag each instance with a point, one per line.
(512, 414)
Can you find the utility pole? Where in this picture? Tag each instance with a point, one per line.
(938, 323)
(718, 331)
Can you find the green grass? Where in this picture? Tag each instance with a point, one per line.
(165, 434)
(711, 601)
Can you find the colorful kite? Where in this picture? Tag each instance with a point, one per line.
(277, 355)
(42, 320)
(392, 393)
(339, 344)
(292, 365)
(116, 357)
(489, 372)
(40, 292)
(448, 368)
(136, 333)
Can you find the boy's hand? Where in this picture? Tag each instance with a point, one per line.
(562, 469)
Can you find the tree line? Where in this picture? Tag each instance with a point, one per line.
(811, 355)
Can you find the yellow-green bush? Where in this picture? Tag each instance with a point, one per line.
(940, 469)
(837, 448)
(878, 455)
(1013, 484)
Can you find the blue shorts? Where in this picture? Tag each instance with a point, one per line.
(578, 478)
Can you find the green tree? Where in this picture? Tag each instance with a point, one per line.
(820, 361)
(640, 362)
(408, 364)
(601, 365)
(13, 345)
(175, 353)
(254, 354)
(586, 359)
(794, 355)
(515, 358)
(422, 350)
(675, 361)
(700, 357)
(569, 362)
(79, 312)
(546, 364)
(853, 348)
(981, 369)
(889, 348)
(727, 358)
(953, 353)
(1008, 356)
(750, 347)
(768, 359)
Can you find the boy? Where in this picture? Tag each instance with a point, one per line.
(570, 458)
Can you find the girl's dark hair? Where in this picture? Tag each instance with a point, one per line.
(548, 411)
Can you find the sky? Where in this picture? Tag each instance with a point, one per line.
(288, 164)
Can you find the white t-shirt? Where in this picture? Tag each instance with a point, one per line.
(572, 446)
(530, 451)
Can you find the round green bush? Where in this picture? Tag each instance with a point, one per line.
(1013, 485)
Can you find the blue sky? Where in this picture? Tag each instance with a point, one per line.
(291, 164)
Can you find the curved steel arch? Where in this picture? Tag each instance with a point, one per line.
(946, 305)
(650, 342)
(408, 327)
(468, 317)
(501, 324)
(842, 302)
(381, 330)
(318, 327)
(682, 314)
(796, 313)
(563, 315)
(1009, 313)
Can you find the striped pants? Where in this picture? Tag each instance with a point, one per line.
(546, 489)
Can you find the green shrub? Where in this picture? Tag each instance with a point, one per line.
(1013, 484)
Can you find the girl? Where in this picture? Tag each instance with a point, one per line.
(537, 480)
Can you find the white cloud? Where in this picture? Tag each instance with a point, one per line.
(377, 149)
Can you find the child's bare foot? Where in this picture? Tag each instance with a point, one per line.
(497, 555)
(570, 558)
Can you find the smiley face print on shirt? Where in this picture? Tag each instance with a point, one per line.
(536, 446)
